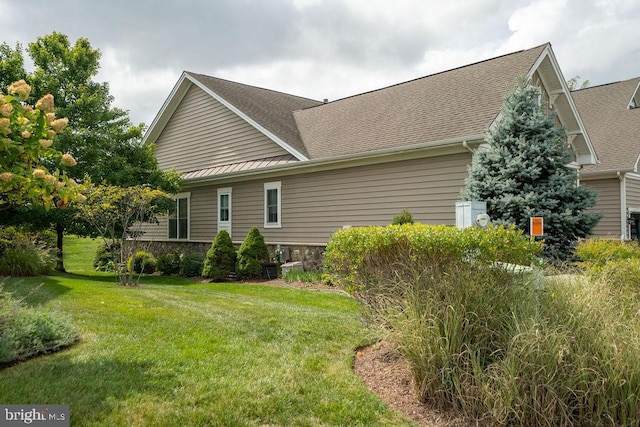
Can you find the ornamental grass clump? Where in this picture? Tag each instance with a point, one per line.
(490, 342)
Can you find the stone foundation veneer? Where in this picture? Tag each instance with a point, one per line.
(312, 257)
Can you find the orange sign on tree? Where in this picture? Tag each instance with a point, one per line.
(536, 226)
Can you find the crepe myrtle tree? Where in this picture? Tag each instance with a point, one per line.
(26, 143)
(524, 171)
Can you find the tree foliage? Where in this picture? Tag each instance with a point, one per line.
(119, 214)
(252, 254)
(106, 145)
(523, 172)
(220, 257)
(26, 142)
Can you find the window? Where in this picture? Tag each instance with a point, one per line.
(179, 218)
(272, 204)
(224, 209)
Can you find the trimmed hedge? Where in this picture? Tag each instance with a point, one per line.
(360, 256)
(169, 263)
(142, 263)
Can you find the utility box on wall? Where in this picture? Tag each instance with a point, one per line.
(467, 212)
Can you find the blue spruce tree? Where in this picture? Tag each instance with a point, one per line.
(523, 172)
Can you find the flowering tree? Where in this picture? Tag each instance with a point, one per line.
(26, 142)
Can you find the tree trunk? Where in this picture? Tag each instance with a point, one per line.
(59, 253)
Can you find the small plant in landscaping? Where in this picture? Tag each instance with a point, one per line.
(24, 254)
(220, 257)
(142, 263)
(252, 254)
(191, 264)
(26, 332)
(304, 276)
(169, 263)
(106, 257)
(404, 217)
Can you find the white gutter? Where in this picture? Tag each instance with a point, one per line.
(336, 162)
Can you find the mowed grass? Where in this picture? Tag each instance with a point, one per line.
(174, 352)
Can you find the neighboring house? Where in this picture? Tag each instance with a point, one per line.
(611, 115)
(301, 169)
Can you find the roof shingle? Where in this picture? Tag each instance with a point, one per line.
(613, 128)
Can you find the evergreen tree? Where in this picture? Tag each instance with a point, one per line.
(523, 172)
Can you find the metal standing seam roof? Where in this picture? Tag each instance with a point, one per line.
(239, 167)
(614, 129)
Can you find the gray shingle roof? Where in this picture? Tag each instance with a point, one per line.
(613, 128)
(271, 109)
(452, 104)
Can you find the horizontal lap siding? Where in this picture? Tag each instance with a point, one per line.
(204, 133)
(608, 202)
(633, 193)
(314, 205)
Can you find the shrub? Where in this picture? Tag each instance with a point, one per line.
(169, 263)
(252, 254)
(104, 259)
(26, 332)
(220, 257)
(594, 253)
(191, 264)
(142, 263)
(25, 254)
(404, 217)
(482, 340)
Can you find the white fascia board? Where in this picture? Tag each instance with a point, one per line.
(634, 95)
(166, 111)
(592, 157)
(298, 155)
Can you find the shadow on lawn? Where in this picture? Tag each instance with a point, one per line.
(92, 388)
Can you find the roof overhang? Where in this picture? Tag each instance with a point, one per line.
(562, 103)
(428, 149)
(176, 96)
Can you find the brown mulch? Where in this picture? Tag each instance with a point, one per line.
(386, 373)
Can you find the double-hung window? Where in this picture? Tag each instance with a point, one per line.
(179, 218)
(272, 204)
(224, 209)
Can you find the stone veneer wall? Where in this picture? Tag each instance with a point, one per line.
(312, 257)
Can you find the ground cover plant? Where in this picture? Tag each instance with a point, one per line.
(487, 341)
(174, 352)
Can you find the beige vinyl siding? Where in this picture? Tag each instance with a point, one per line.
(156, 232)
(633, 192)
(203, 133)
(314, 205)
(609, 203)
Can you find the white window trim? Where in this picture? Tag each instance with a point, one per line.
(277, 185)
(176, 197)
(225, 225)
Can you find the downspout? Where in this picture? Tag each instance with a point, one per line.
(623, 206)
(465, 144)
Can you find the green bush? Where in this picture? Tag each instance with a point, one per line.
(24, 253)
(489, 342)
(220, 258)
(26, 332)
(404, 217)
(169, 263)
(104, 260)
(142, 263)
(252, 254)
(594, 253)
(191, 264)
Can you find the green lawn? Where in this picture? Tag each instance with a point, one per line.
(177, 353)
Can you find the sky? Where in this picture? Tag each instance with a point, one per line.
(323, 49)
